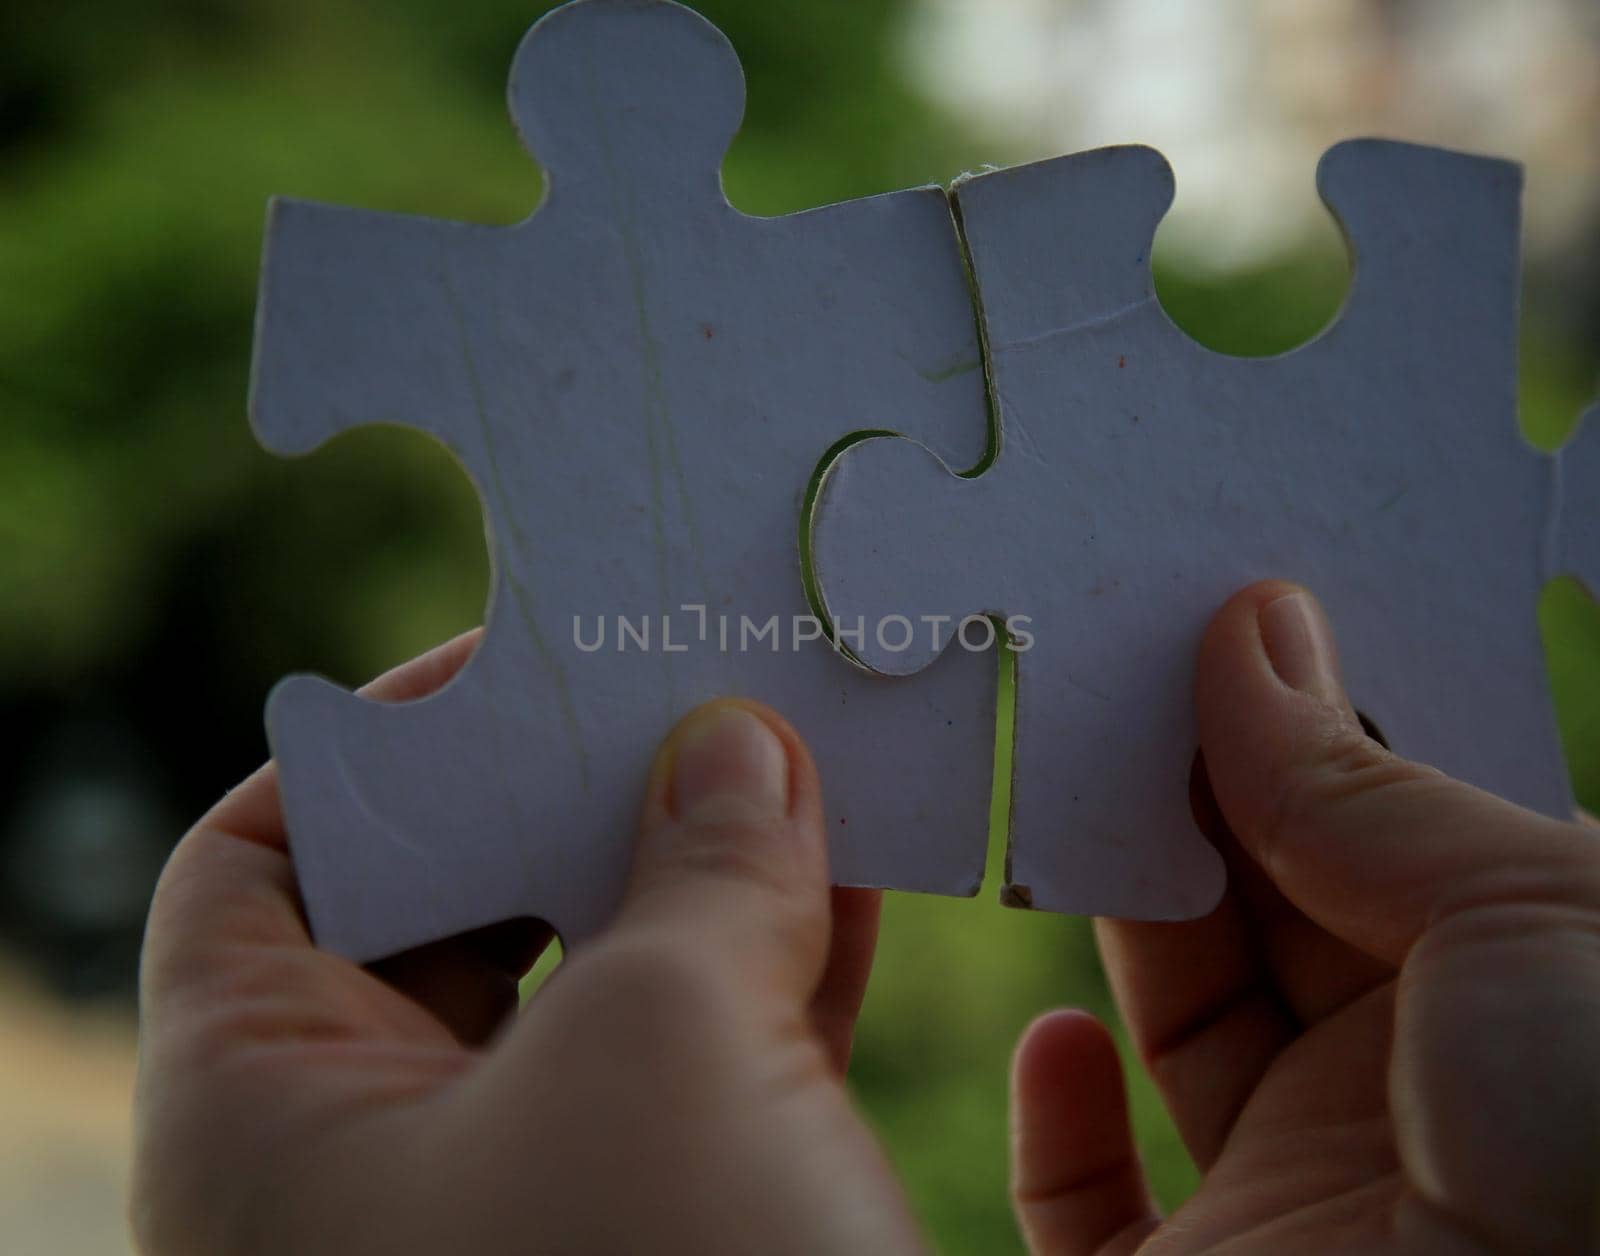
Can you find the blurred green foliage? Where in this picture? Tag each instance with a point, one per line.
(147, 544)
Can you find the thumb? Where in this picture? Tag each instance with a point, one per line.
(1371, 846)
(731, 861)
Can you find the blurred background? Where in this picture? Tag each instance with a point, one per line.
(158, 572)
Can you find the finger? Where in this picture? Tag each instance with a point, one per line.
(1210, 1003)
(731, 865)
(222, 895)
(425, 674)
(253, 811)
(1368, 845)
(1203, 1013)
(1201, 1004)
(228, 887)
(1076, 1184)
(1315, 973)
(469, 982)
(837, 1002)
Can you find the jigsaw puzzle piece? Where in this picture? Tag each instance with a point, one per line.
(1577, 535)
(1142, 478)
(386, 834)
(640, 380)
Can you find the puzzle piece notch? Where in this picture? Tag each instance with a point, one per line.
(1142, 478)
(1112, 202)
(639, 380)
(1577, 525)
(576, 107)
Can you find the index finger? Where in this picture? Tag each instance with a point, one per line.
(229, 882)
(252, 810)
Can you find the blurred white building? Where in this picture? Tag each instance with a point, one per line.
(1244, 95)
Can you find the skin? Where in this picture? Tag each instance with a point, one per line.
(676, 1086)
(1384, 1039)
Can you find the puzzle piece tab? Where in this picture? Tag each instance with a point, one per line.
(1142, 478)
(1577, 535)
(640, 380)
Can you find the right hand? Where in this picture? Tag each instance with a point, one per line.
(1385, 1039)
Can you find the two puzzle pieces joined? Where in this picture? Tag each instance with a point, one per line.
(653, 393)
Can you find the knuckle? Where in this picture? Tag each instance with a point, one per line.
(1531, 921)
(1541, 891)
(1343, 766)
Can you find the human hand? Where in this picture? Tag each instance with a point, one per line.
(675, 1086)
(1385, 1039)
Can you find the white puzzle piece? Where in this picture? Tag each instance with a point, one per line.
(1142, 478)
(640, 380)
(1577, 534)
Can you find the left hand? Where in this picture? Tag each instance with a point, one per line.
(676, 1085)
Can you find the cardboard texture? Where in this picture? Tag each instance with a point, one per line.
(641, 381)
(1142, 478)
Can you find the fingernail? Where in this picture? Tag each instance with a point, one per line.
(1299, 642)
(728, 764)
